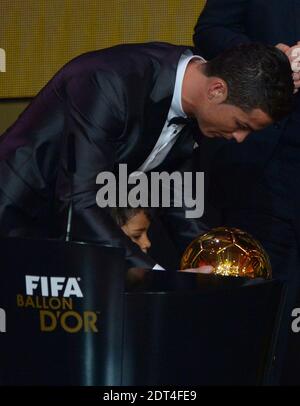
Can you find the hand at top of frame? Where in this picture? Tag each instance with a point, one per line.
(293, 53)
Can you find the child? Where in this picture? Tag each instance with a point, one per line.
(135, 223)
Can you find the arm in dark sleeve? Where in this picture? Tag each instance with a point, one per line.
(221, 25)
(182, 228)
(95, 120)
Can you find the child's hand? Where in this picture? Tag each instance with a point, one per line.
(207, 269)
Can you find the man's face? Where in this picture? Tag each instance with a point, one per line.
(204, 98)
(230, 122)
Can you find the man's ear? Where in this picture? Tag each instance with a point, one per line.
(217, 90)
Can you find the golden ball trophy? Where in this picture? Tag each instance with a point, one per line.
(230, 251)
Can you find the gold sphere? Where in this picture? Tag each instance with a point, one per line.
(230, 251)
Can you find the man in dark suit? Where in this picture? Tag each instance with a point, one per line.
(267, 207)
(115, 106)
(263, 196)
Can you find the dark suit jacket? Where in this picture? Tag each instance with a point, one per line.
(257, 183)
(225, 23)
(104, 107)
(268, 161)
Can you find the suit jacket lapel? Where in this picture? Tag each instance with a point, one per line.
(181, 150)
(156, 110)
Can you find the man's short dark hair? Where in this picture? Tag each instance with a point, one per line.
(257, 76)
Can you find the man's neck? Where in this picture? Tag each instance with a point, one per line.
(193, 86)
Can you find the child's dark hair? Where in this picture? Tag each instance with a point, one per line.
(122, 215)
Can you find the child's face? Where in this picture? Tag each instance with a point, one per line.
(136, 229)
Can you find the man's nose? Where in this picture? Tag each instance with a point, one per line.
(240, 135)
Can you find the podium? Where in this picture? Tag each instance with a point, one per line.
(75, 316)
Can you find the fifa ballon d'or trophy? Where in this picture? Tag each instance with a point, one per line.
(230, 251)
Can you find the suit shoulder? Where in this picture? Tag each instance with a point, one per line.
(124, 56)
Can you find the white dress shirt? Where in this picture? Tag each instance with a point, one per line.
(170, 133)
